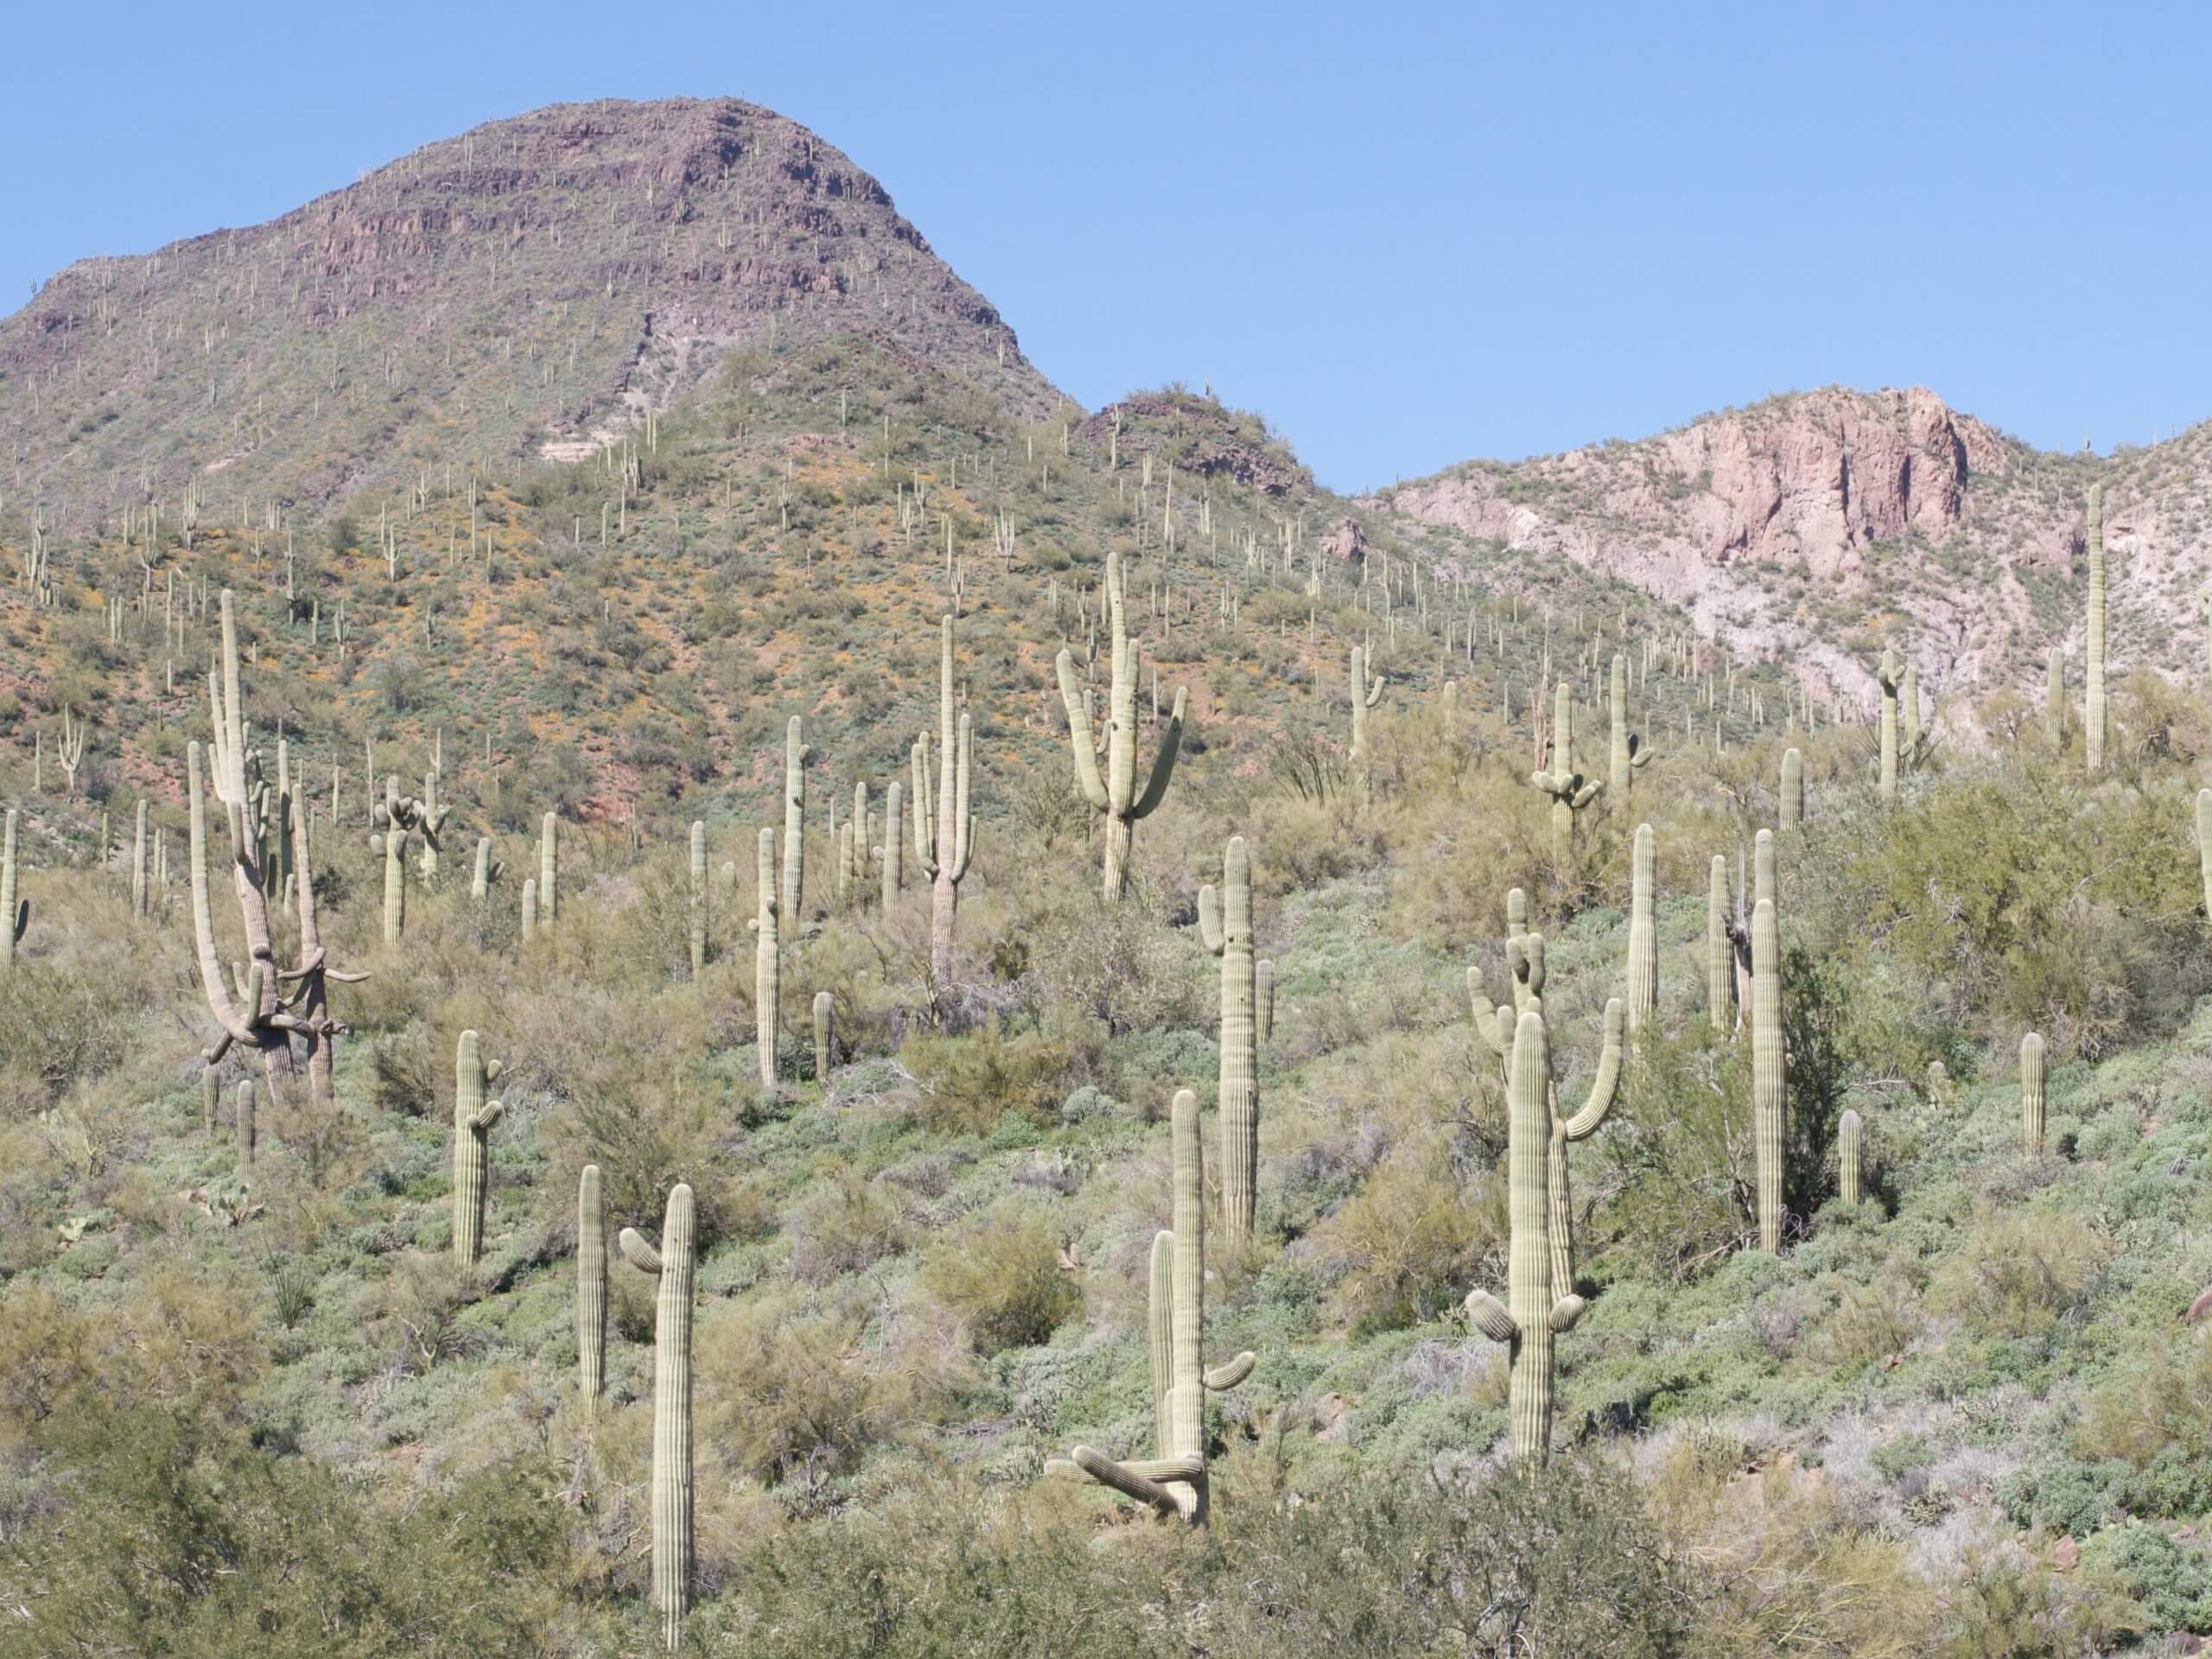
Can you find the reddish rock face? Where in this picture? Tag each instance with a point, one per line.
(1344, 542)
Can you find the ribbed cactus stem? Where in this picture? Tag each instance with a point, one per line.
(1851, 1157)
(1719, 953)
(671, 1472)
(529, 907)
(1642, 929)
(766, 964)
(796, 754)
(2054, 697)
(480, 881)
(892, 849)
(392, 843)
(14, 916)
(472, 1118)
(1366, 692)
(139, 864)
(1628, 752)
(1886, 679)
(944, 847)
(1762, 878)
(1263, 1005)
(2204, 845)
(1225, 924)
(2031, 1092)
(824, 1056)
(1569, 790)
(242, 1122)
(591, 1287)
(2094, 721)
(699, 873)
(548, 869)
(1159, 1334)
(1768, 1082)
(1793, 789)
(211, 1095)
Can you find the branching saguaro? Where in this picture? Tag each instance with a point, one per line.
(1628, 754)
(1225, 925)
(473, 1120)
(671, 1473)
(942, 848)
(1114, 795)
(1366, 692)
(1568, 791)
(276, 1008)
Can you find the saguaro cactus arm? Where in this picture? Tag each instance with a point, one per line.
(1080, 736)
(1163, 764)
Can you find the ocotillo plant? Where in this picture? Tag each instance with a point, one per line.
(1769, 1084)
(1629, 752)
(591, 1286)
(698, 898)
(1793, 789)
(1175, 1483)
(942, 849)
(767, 965)
(1538, 1307)
(548, 867)
(1851, 1157)
(1114, 794)
(242, 1123)
(138, 897)
(1263, 1009)
(15, 915)
(2092, 727)
(472, 1118)
(672, 1476)
(1643, 930)
(2031, 1092)
(796, 756)
(1366, 692)
(890, 851)
(1887, 678)
(284, 1007)
(1569, 792)
(1225, 925)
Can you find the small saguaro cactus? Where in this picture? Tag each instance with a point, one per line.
(2031, 1092)
(1768, 1083)
(1719, 953)
(671, 1475)
(242, 1122)
(211, 1095)
(1175, 1483)
(766, 966)
(486, 872)
(1225, 925)
(942, 848)
(472, 1118)
(138, 895)
(698, 898)
(2092, 727)
(1792, 812)
(824, 1033)
(1366, 692)
(1629, 752)
(548, 867)
(892, 849)
(1887, 678)
(1539, 1304)
(796, 756)
(15, 915)
(1851, 1157)
(591, 1286)
(1569, 790)
(1643, 931)
(1263, 1009)
(529, 907)
(1113, 795)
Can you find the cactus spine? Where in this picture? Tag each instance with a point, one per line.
(14, 916)
(671, 1477)
(1768, 1082)
(892, 849)
(766, 969)
(1643, 930)
(1537, 1308)
(2031, 1092)
(1851, 1157)
(1264, 1008)
(472, 1119)
(1225, 924)
(242, 1123)
(548, 867)
(1793, 789)
(2093, 724)
(138, 897)
(825, 1009)
(698, 898)
(1366, 692)
(1569, 792)
(591, 1286)
(942, 849)
(1719, 953)
(1114, 795)
(796, 756)
(1629, 753)
(1887, 678)
(1175, 1483)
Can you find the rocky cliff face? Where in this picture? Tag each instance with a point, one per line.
(1820, 526)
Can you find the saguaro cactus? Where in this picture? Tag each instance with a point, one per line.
(767, 965)
(2204, 845)
(1851, 1157)
(242, 1123)
(796, 756)
(1719, 953)
(591, 1286)
(1629, 753)
(1114, 795)
(138, 899)
(392, 842)
(1263, 979)
(211, 1095)
(1643, 930)
(472, 1118)
(1793, 789)
(1538, 1307)
(1887, 678)
(2092, 727)
(1769, 1111)
(894, 828)
(672, 1477)
(15, 915)
(825, 1010)
(479, 882)
(698, 898)
(2031, 1092)
(1225, 925)
(548, 867)
(1569, 790)
(1175, 1483)
(942, 848)
(1366, 692)
(529, 907)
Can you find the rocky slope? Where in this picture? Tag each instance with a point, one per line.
(517, 288)
(1816, 526)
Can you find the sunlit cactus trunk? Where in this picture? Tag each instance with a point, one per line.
(1792, 812)
(1851, 1157)
(942, 848)
(1720, 954)
(472, 1118)
(1643, 931)
(825, 1012)
(766, 965)
(796, 754)
(1627, 753)
(548, 869)
(671, 1471)
(2032, 1106)
(139, 900)
(1225, 924)
(894, 846)
(1768, 1112)
(591, 1287)
(1886, 679)
(15, 914)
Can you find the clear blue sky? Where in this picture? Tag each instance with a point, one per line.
(1409, 233)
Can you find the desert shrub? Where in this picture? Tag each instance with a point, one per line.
(1408, 1242)
(1682, 1161)
(2016, 1273)
(1002, 1278)
(842, 1226)
(969, 1083)
(2172, 1579)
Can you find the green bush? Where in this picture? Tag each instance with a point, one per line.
(1002, 1278)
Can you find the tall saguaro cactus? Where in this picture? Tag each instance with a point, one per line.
(942, 848)
(698, 872)
(671, 1475)
(279, 1006)
(1643, 930)
(1175, 1483)
(890, 852)
(1538, 1307)
(472, 1118)
(591, 1286)
(796, 756)
(1114, 795)
(1888, 679)
(1851, 1157)
(1366, 692)
(2094, 721)
(1225, 925)
(1792, 812)
(766, 965)
(480, 881)
(2031, 1092)
(1629, 753)
(548, 869)
(1720, 954)
(1769, 1084)
(1569, 790)
(138, 896)
(15, 914)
